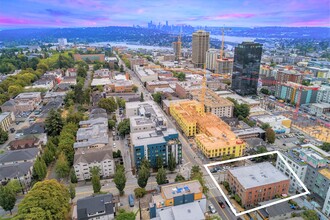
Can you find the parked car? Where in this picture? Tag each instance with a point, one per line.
(131, 200)
(212, 209)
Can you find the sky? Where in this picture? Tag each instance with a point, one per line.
(98, 13)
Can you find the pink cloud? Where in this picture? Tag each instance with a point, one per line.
(230, 16)
(312, 23)
(9, 21)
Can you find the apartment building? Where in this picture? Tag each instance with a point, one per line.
(178, 201)
(200, 45)
(214, 104)
(151, 86)
(257, 183)
(26, 101)
(145, 74)
(6, 119)
(212, 135)
(86, 159)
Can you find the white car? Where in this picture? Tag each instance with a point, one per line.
(212, 209)
(114, 144)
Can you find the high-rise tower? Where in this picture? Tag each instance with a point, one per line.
(245, 76)
(200, 44)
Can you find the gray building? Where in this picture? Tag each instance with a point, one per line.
(200, 45)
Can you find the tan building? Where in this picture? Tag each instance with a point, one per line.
(224, 66)
(215, 104)
(151, 86)
(200, 44)
(6, 119)
(257, 183)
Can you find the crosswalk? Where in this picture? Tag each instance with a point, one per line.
(211, 185)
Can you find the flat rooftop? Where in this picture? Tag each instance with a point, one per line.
(212, 99)
(325, 172)
(257, 175)
(28, 95)
(321, 105)
(178, 189)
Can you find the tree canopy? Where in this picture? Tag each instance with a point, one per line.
(54, 123)
(109, 104)
(124, 127)
(120, 178)
(46, 200)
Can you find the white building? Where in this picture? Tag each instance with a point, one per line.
(145, 74)
(280, 123)
(62, 42)
(323, 94)
(211, 57)
(319, 109)
(86, 159)
(326, 206)
(297, 165)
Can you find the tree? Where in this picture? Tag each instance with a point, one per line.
(265, 126)
(124, 215)
(47, 200)
(62, 168)
(7, 198)
(95, 171)
(54, 123)
(157, 97)
(121, 102)
(270, 135)
(139, 192)
(49, 153)
(72, 191)
(310, 215)
(39, 169)
(159, 162)
(325, 146)
(3, 136)
(145, 162)
(74, 117)
(143, 176)
(122, 68)
(242, 110)
(179, 178)
(111, 124)
(14, 90)
(197, 174)
(124, 127)
(141, 97)
(171, 162)
(73, 177)
(109, 104)
(120, 179)
(14, 185)
(161, 176)
(264, 91)
(135, 88)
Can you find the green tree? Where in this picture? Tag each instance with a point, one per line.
(157, 97)
(7, 198)
(3, 136)
(74, 117)
(14, 185)
(265, 126)
(73, 177)
(95, 171)
(121, 102)
(62, 168)
(122, 68)
(109, 104)
(159, 162)
(171, 162)
(124, 127)
(161, 176)
(310, 215)
(72, 191)
(143, 176)
(179, 178)
(135, 88)
(14, 90)
(270, 135)
(49, 155)
(120, 178)
(124, 215)
(139, 192)
(145, 162)
(46, 200)
(111, 124)
(54, 123)
(197, 174)
(39, 169)
(141, 97)
(181, 76)
(264, 91)
(242, 110)
(325, 146)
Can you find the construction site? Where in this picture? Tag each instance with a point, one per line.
(212, 135)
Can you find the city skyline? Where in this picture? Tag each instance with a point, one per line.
(98, 13)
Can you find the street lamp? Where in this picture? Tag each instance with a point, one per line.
(19, 180)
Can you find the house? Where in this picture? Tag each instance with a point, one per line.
(96, 207)
(29, 141)
(86, 159)
(21, 171)
(19, 156)
(71, 72)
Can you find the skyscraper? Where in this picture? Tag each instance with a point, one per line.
(246, 68)
(200, 44)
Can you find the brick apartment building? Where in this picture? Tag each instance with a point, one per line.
(257, 183)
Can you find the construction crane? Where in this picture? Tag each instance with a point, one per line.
(223, 41)
(203, 93)
(222, 60)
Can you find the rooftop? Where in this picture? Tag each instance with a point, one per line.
(92, 155)
(325, 172)
(151, 137)
(177, 189)
(257, 175)
(91, 205)
(28, 95)
(11, 171)
(185, 211)
(212, 99)
(4, 115)
(19, 155)
(321, 105)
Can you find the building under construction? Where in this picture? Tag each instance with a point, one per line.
(213, 103)
(212, 135)
(177, 48)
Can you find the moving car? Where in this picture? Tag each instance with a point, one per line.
(131, 200)
(212, 209)
(222, 204)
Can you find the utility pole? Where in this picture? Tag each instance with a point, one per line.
(140, 209)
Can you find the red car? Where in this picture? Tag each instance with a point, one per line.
(222, 205)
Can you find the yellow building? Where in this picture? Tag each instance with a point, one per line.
(212, 135)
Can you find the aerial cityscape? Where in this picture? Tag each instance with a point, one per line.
(164, 110)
